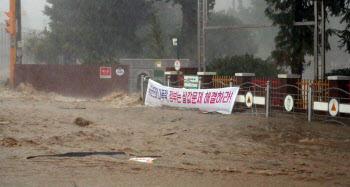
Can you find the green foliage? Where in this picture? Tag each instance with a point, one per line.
(342, 72)
(244, 64)
(155, 37)
(294, 43)
(93, 31)
(41, 46)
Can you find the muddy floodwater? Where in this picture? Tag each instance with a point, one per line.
(192, 148)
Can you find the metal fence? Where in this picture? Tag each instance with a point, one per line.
(271, 97)
(317, 86)
(223, 81)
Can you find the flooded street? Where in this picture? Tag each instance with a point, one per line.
(196, 149)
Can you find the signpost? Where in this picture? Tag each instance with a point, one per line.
(177, 65)
(191, 81)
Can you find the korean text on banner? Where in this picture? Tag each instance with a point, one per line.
(211, 100)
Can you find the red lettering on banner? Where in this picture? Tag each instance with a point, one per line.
(200, 97)
(213, 97)
(178, 97)
(184, 97)
(229, 97)
(220, 97)
(194, 97)
(189, 97)
(224, 99)
(207, 97)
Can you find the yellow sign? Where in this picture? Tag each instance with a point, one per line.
(158, 64)
(249, 101)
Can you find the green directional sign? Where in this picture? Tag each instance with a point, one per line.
(191, 81)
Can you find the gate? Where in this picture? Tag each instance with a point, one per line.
(274, 82)
(318, 85)
(223, 81)
(333, 108)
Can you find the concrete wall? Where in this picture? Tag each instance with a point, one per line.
(138, 67)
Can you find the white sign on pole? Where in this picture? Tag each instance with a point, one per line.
(191, 81)
(210, 100)
(249, 99)
(174, 41)
(289, 103)
(120, 71)
(333, 107)
(177, 65)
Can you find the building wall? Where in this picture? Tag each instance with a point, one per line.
(148, 67)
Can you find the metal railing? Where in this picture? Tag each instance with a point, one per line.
(316, 103)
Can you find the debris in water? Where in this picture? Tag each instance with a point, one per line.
(113, 96)
(82, 122)
(175, 120)
(9, 142)
(78, 108)
(80, 154)
(145, 156)
(145, 159)
(169, 134)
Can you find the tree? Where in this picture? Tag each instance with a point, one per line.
(96, 31)
(342, 8)
(188, 39)
(341, 72)
(294, 43)
(155, 38)
(244, 63)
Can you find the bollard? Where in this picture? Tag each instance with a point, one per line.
(199, 82)
(231, 82)
(142, 88)
(168, 81)
(268, 99)
(309, 103)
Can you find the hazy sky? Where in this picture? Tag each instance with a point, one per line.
(32, 13)
(223, 5)
(33, 17)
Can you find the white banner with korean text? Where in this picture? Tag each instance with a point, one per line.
(210, 100)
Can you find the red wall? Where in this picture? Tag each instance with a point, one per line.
(72, 80)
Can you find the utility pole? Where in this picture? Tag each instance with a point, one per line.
(11, 28)
(201, 23)
(19, 44)
(319, 40)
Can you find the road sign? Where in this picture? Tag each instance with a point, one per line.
(119, 71)
(249, 99)
(105, 73)
(289, 103)
(158, 64)
(333, 107)
(177, 65)
(174, 41)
